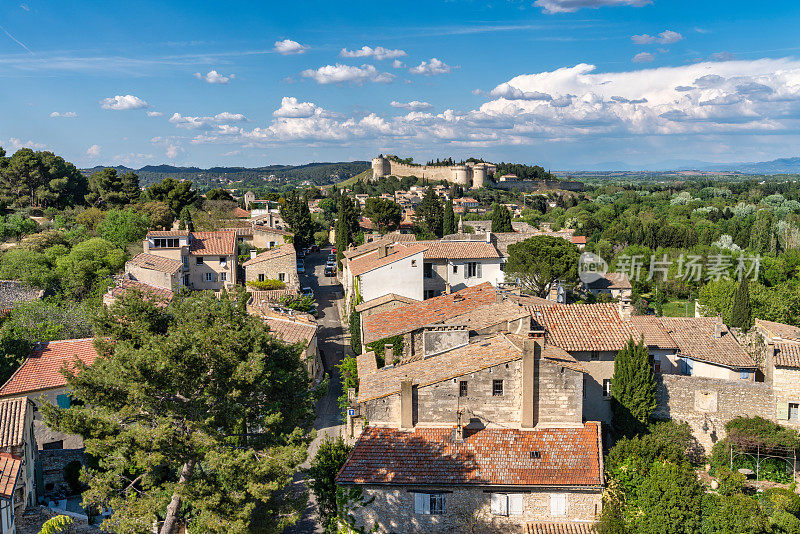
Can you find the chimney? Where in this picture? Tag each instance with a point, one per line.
(447, 288)
(388, 354)
(253, 253)
(624, 308)
(488, 236)
(458, 431)
(406, 407)
(770, 351)
(531, 348)
(717, 329)
(383, 251)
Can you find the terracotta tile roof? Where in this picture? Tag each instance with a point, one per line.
(528, 300)
(271, 254)
(157, 293)
(167, 233)
(560, 528)
(583, 327)
(271, 295)
(787, 354)
(459, 250)
(391, 297)
(695, 338)
(491, 456)
(376, 383)
(371, 261)
(243, 231)
(579, 239)
(156, 263)
(388, 239)
(42, 369)
(291, 331)
(490, 315)
(210, 243)
(431, 311)
(12, 421)
(653, 330)
(779, 330)
(611, 281)
(10, 467)
(240, 213)
(550, 352)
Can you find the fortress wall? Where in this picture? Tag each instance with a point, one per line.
(429, 173)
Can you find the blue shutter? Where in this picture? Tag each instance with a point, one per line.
(63, 401)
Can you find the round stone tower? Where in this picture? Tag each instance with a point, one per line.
(460, 175)
(478, 175)
(380, 167)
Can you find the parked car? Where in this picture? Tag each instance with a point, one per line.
(330, 270)
(333, 250)
(332, 258)
(306, 292)
(301, 267)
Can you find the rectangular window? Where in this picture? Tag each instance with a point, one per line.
(455, 269)
(606, 388)
(794, 412)
(427, 270)
(507, 504)
(209, 277)
(515, 504)
(497, 388)
(185, 260)
(595, 355)
(429, 503)
(186, 280)
(223, 277)
(63, 401)
(462, 388)
(744, 375)
(472, 269)
(558, 504)
(656, 363)
(282, 277)
(199, 260)
(163, 242)
(428, 294)
(261, 277)
(687, 366)
(499, 504)
(223, 261)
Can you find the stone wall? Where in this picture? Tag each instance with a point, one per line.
(391, 509)
(273, 268)
(53, 463)
(422, 171)
(558, 394)
(708, 403)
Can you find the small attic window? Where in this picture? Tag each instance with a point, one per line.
(536, 455)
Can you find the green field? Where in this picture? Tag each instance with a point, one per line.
(679, 308)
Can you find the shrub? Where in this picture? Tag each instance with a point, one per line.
(266, 285)
(380, 346)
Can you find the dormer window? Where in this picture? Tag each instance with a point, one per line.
(166, 242)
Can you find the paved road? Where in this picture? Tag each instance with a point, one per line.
(327, 291)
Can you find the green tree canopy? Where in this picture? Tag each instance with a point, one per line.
(176, 194)
(108, 189)
(123, 227)
(741, 315)
(89, 266)
(194, 411)
(297, 215)
(449, 218)
(331, 456)
(501, 219)
(385, 214)
(40, 179)
(541, 260)
(429, 214)
(633, 389)
(219, 194)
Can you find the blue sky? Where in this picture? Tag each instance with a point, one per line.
(568, 84)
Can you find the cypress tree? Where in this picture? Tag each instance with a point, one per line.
(341, 238)
(501, 219)
(633, 389)
(741, 315)
(449, 218)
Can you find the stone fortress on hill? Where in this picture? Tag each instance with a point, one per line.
(470, 174)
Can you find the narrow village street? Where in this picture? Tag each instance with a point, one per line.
(328, 293)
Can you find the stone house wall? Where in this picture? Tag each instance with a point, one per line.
(786, 388)
(467, 509)
(53, 464)
(273, 268)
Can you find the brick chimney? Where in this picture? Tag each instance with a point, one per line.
(718, 329)
(383, 251)
(406, 405)
(532, 347)
(624, 308)
(388, 354)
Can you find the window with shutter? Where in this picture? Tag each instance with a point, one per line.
(515, 504)
(419, 502)
(499, 504)
(478, 269)
(63, 401)
(782, 411)
(794, 412)
(558, 504)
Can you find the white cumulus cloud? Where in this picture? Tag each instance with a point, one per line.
(121, 102)
(570, 6)
(93, 151)
(347, 74)
(288, 47)
(64, 115)
(643, 57)
(200, 123)
(214, 77)
(154, 114)
(665, 37)
(414, 105)
(430, 68)
(378, 52)
(291, 107)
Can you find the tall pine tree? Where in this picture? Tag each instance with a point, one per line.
(449, 219)
(633, 389)
(501, 219)
(741, 314)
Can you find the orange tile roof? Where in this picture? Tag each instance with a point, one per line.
(370, 261)
(653, 330)
(459, 250)
(583, 327)
(210, 243)
(155, 262)
(578, 239)
(779, 330)
(42, 369)
(560, 528)
(787, 354)
(291, 331)
(435, 310)
(12, 421)
(695, 339)
(376, 383)
(271, 254)
(10, 467)
(167, 233)
(487, 457)
(390, 297)
(387, 239)
(240, 213)
(159, 294)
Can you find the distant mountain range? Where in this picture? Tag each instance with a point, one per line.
(776, 166)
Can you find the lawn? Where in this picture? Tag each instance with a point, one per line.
(679, 308)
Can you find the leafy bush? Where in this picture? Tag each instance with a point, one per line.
(379, 347)
(266, 285)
